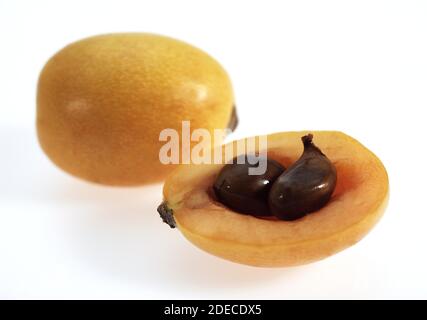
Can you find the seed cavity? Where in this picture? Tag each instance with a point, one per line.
(288, 194)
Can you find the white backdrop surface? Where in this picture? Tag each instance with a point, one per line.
(355, 66)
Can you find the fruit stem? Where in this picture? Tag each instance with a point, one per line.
(166, 214)
(234, 120)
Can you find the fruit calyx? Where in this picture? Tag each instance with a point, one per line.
(166, 214)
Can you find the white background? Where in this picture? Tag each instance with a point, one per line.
(356, 66)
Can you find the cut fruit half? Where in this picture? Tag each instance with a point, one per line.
(357, 203)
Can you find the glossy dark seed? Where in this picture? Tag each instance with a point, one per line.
(306, 186)
(244, 193)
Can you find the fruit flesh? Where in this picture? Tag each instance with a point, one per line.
(358, 202)
(103, 101)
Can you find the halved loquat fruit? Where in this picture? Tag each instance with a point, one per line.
(357, 203)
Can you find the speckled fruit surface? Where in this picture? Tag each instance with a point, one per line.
(102, 102)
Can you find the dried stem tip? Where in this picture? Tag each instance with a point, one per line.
(166, 214)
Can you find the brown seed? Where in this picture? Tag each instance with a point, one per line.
(245, 193)
(306, 186)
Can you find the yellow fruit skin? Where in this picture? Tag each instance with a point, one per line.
(358, 202)
(103, 101)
